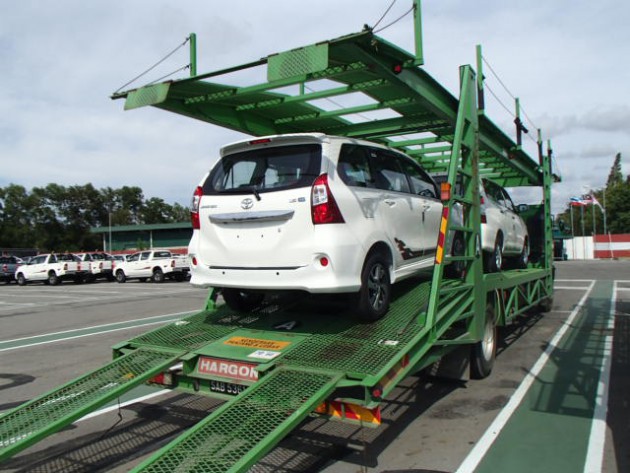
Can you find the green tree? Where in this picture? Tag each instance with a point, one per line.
(59, 218)
(615, 176)
(155, 210)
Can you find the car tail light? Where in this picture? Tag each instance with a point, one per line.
(260, 141)
(483, 218)
(194, 208)
(5, 268)
(324, 209)
(65, 267)
(100, 266)
(172, 263)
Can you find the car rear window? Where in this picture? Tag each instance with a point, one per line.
(265, 170)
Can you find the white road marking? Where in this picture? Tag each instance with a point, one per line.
(475, 456)
(597, 439)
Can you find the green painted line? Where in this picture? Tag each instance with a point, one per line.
(88, 331)
(549, 431)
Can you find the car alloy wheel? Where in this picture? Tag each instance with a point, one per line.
(374, 295)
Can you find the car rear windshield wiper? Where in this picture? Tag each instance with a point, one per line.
(242, 190)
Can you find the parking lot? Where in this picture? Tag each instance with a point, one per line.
(51, 335)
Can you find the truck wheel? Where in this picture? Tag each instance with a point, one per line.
(523, 258)
(120, 276)
(546, 304)
(484, 351)
(374, 296)
(53, 280)
(494, 259)
(242, 301)
(456, 269)
(158, 275)
(21, 280)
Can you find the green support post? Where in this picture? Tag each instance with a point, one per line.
(417, 15)
(481, 102)
(193, 54)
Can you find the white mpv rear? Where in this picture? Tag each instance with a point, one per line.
(315, 213)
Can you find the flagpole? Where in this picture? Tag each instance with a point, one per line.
(583, 232)
(572, 231)
(604, 212)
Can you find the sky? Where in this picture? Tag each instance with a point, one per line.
(567, 61)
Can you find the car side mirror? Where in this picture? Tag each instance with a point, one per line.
(522, 208)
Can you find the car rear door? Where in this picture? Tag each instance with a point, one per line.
(405, 215)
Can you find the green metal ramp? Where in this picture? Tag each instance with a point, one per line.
(240, 432)
(31, 422)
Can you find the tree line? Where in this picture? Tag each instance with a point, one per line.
(614, 197)
(59, 218)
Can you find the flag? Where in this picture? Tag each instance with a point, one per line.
(596, 202)
(577, 202)
(587, 199)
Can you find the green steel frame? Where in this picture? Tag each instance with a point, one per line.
(426, 321)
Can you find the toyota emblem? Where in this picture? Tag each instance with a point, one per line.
(247, 204)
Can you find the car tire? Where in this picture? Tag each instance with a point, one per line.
(120, 276)
(457, 269)
(53, 280)
(523, 259)
(494, 259)
(483, 353)
(242, 301)
(546, 304)
(374, 296)
(21, 280)
(158, 276)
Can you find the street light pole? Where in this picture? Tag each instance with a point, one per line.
(110, 229)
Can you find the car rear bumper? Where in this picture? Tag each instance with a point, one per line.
(342, 273)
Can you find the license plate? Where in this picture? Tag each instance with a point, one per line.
(226, 388)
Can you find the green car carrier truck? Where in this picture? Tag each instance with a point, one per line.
(326, 364)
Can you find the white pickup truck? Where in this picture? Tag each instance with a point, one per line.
(155, 264)
(98, 265)
(51, 269)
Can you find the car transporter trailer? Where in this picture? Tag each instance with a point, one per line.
(276, 365)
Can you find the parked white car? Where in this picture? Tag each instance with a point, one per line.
(503, 231)
(98, 265)
(50, 269)
(315, 213)
(157, 265)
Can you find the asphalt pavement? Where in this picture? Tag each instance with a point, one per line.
(50, 335)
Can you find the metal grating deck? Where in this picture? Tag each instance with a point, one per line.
(357, 349)
(240, 432)
(43, 416)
